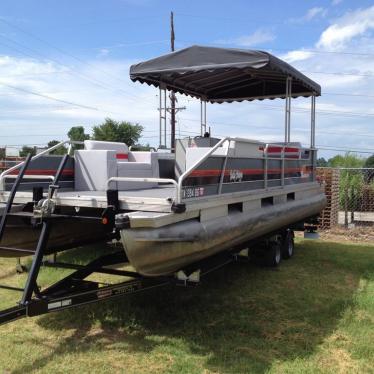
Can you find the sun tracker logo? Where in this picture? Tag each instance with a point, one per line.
(236, 176)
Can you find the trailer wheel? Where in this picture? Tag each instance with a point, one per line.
(273, 255)
(288, 244)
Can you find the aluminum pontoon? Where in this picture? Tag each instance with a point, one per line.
(177, 214)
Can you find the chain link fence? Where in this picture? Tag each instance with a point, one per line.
(350, 197)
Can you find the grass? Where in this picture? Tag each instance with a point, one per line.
(315, 314)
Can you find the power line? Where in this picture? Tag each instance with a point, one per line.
(364, 150)
(73, 72)
(338, 73)
(124, 45)
(339, 113)
(314, 51)
(47, 97)
(272, 128)
(67, 54)
(346, 94)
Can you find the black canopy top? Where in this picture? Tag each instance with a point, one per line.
(223, 74)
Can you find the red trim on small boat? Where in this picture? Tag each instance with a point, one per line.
(122, 156)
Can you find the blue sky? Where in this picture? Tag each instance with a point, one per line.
(80, 51)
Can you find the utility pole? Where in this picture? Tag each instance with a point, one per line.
(172, 94)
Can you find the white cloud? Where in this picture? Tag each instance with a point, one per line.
(258, 37)
(314, 12)
(296, 55)
(336, 2)
(345, 29)
(311, 14)
(102, 85)
(103, 52)
(121, 99)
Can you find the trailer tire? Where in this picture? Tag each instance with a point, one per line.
(273, 255)
(288, 245)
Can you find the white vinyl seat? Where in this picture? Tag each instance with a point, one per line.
(100, 161)
(93, 168)
(122, 150)
(139, 165)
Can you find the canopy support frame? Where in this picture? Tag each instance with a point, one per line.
(287, 119)
(202, 117)
(162, 117)
(312, 121)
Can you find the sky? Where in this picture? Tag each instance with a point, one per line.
(66, 63)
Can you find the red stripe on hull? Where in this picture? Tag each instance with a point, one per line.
(66, 172)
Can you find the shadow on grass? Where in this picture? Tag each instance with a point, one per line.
(241, 319)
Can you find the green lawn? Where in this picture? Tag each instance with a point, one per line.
(313, 314)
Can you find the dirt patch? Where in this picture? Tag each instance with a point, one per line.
(339, 361)
(356, 234)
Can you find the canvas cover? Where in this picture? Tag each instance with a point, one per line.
(223, 74)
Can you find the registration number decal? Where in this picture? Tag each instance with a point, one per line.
(190, 192)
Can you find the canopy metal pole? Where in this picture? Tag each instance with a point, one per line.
(286, 115)
(202, 117)
(163, 115)
(313, 122)
(165, 109)
(287, 119)
(160, 112)
(289, 108)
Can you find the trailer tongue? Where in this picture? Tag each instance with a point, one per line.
(176, 215)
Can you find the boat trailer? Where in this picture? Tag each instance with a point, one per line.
(258, 192)
(75, 290)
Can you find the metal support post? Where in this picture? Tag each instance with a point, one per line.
(313, 135)
(13, 194)
(162, 118)
(165, 111)
(283, 155)
(287, 120)
(35, 266)
(202, 117)
(266, 167)
(223, 169)
(312, 121)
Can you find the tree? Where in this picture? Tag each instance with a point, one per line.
(26, 150)
(351, 182)
(349, 160)
(321, 162)
(58, 151)
(114, 131)
(2, 153)
(369, 163)
(77, 134)
(141, 147)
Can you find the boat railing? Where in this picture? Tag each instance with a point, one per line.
(180, 189)
(8, 173)
(267, 157)
(144, 180)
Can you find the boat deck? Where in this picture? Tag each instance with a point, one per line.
(157, 199)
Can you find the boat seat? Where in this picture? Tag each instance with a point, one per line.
(139, 165)
(93, 168)
(122, 150)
